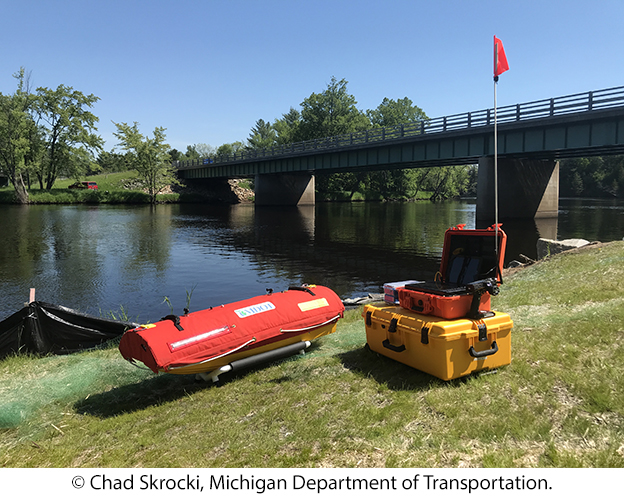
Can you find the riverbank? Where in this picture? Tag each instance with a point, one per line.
(559, 404)
(126, 188)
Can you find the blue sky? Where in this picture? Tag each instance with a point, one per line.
(208, 70)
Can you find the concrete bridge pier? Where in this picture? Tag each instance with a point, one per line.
(527, 188)
(290, 189)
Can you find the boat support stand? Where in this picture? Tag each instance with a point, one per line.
(254, 360)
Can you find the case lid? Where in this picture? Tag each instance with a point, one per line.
(470, 255)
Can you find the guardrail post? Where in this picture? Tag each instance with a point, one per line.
(552, 107)
(517, 112)
(590, 103)
(469, 120)
(488, 117)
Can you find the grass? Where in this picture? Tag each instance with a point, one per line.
(559, 404)
(112, 189)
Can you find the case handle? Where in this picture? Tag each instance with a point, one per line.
(483, 354)
(397, 349)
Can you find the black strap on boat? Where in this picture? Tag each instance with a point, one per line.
(175, 319)
(301, 288)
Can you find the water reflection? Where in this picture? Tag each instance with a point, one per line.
(102, 257)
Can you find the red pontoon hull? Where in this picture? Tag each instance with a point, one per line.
(207, 340)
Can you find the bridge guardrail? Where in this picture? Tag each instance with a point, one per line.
(558, 106)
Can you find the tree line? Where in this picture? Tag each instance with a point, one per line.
(47, 133)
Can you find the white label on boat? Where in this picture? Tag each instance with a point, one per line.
(255, 309)
(313, 305)
(189, 341)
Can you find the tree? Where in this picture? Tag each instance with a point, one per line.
(80, 162)
(287, 127)
(191, 153)
(446, 182)
(396, 112)
(229, 149)
(111, 162)
(398, 183)
(67, 124)
(148, 156)
(18, 135)
(262, 136)
(332, 112)
(204, 150)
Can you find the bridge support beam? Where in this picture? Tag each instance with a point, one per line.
(527, 188)
(284, 189)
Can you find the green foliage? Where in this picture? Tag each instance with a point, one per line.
(46, 134)
(148, 156)
(396, 112)
(262, 136)
(69, 132)
(449, 181)
(229, 149)
(17, 150)
(287, 127)
(111, 162)
(332, 112)
(592, 177)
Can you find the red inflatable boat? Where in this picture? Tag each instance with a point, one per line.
(216, 340)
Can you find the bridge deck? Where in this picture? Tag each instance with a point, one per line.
(583, 124)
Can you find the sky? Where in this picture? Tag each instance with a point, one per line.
(207, 70)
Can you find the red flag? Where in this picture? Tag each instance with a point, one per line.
(500, 59)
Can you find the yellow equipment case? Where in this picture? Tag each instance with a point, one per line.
(447, 349)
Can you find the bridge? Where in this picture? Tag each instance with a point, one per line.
(532, 137)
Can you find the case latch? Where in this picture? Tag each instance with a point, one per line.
(424, 335)
(482, 332)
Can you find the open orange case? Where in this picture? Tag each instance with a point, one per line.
(470, 272)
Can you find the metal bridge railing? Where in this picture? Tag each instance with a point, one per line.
(558, 106)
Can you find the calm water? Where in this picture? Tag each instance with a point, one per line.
(100, 258)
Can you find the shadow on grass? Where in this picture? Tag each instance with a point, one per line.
(395, 375)
(132, 397)
(160, 389)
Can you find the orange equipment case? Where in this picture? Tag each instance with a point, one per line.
(470, 271)
(447, 349)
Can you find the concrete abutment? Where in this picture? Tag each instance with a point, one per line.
(286, 189)
(527, 188)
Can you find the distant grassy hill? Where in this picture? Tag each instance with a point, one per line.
(559, 404)
(113, 188)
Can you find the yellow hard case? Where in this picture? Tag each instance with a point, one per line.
(447, 349)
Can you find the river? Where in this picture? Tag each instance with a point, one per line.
(146, 261)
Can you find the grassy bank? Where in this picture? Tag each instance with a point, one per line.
(123, 188)
(113, 188)
(559, 404)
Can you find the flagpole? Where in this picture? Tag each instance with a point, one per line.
(495, 170)
(500, 66)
